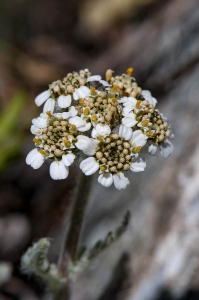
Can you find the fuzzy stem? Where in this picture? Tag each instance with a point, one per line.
(79, 208)
(71, 242)
(63, 294)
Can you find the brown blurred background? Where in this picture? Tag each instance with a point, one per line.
(41, 41)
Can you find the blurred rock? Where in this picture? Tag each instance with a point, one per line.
(16, 289)
(94, 20)
(14, 235)
(5, 272)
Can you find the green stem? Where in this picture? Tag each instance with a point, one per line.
(79, 208)
(71, 243)
(63, 294)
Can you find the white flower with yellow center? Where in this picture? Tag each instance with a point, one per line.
(98, 109)
(81, 92)
(113, 155)
(165, 147)
(58, 139)
(147, 96)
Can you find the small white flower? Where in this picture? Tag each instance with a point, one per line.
(166, 148)
(147, 96)
(41, 98)
(120, 181)
(125, 132)
(89, 166)
(115, 128)
(81, 92)
(73, 111)
(49, 105)
(105, 161)
(35, 159)
(39, 122)
(34, 129)
(94, 78)
(82, 142)
(97, 78)
(129, 105)
(101, 130)
(105, 179)
(129, 120)
(138, 165)
(86, 144)
(138, 138)
(58, 170)
(81, 125)
(104, 83)
(64, 115)
(64, 101)
(153, 148)
(68, 159)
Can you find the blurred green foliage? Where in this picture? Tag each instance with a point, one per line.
(11, 138)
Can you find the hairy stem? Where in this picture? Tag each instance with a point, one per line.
(70, 248)
(79, 208)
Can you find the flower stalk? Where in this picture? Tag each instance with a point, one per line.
(70, 249)
(77, 218)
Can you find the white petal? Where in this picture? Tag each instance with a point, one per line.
(64, 101)
(165, 119)
(120, 181)
(39, 122)
(166, 148)
(49, 105)
(172, 136)
(77, 121)
(58, 170)
(104, 83)
(81, 92)
(35, 159)
(73, 111)
(123, 99)
(85, 127)
(106, 179)
(94, 133)
(41, 98)
(125, 132)
(131, 102)
(43, 115)
(153, 149)
(138, 166)
(101, 130)
(82, 142)
(129, 120)
(91, 147)
(126, 111)
(94, 78)
(147, 96)
(89, 166)
(138, 138)
(68, 159)
(34, 129)
(66, 115)
(75, 97)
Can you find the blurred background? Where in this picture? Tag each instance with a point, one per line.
(41, 41)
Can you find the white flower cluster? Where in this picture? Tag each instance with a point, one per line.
(102, 125)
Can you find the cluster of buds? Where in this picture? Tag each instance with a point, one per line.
(100, 125)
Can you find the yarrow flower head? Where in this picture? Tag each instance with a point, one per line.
(105, 124)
